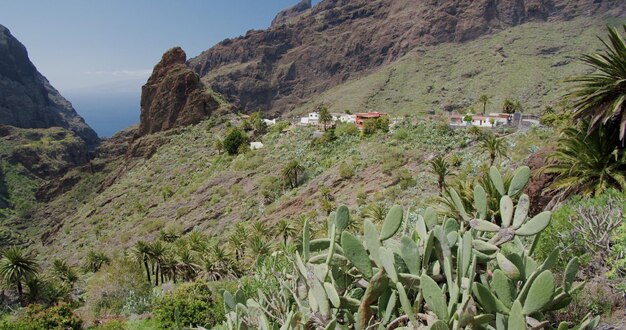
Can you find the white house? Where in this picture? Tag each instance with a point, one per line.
(269, 122)
(312, 119)
(346, 118)
(256, 145)
(491, 120)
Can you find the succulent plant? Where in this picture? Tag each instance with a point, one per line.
(442, 273)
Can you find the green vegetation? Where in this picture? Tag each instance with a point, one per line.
(235, 139)
(436, 273)
(436, 227)
(599, 97)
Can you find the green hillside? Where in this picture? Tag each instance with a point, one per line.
(528, 62)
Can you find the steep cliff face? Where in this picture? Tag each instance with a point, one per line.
(27, 100)
(174, 96)
(282, 66)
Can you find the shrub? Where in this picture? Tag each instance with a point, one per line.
(119, 288)
(270, 187)
(190, 304)
(578, 221)
(346, 171)
(346, 129)
(234, 140)
(405, 179)
(38, 317)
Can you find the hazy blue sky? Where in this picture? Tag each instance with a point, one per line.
(109, 47)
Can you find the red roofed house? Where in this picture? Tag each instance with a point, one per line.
(362, 117)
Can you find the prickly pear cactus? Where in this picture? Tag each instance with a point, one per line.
(439, 273)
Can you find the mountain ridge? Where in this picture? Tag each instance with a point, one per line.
(277, 69)
(28, 100)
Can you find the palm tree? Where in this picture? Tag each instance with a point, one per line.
(64, 272)
(325, 117)
(511, 106)
(440, 167)
(218, 264)
(259, 246)
(283, 228)
(291, 171)
(143, 254)
(237, 244)
(485, 99)
(17, 267)
(587, 164)
(157, 255)
(600, 97)
(95, 260)
(494, 146)
(197, 241)
(187, 264)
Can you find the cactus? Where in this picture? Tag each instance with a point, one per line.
(392, 223)
(432, 274)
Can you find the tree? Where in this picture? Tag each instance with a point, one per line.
(16, 267)
(511, 106)
(95, 260)
(285, 230)
(600, 98)
(440, 167)
(291, 171)
(218, 145)
(143, 254)
(587, 164)
(234, 140)
(325, 117)
(494, 146)
(258, 125)
(157, 255)
(64, 272)
(485, 99)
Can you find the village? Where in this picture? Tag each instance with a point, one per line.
(455, 120)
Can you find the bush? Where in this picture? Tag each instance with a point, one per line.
(346, 171)
(37, 317)
(234, 140)
(346, 129)
(271, 188)
(405, 179)
(565, 228)
(119, 288)
(190, 304)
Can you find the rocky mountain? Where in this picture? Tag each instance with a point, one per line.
(286, 15)
(313, 50)
(27, 100)
(174, 96)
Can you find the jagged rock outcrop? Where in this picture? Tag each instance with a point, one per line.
(284, 16)
(174, 96)
(27, 100)
(336, 40)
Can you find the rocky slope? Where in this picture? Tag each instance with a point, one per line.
(278, 68)
(174, 96)
(286, 16)
(27, 100)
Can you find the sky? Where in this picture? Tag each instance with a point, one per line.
(98, 53)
